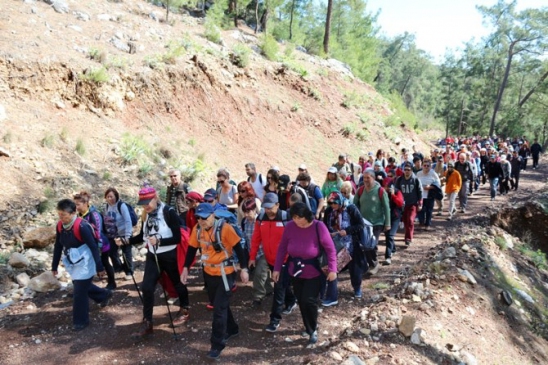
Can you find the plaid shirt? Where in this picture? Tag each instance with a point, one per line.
(249, 227)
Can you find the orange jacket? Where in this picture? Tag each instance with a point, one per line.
(453, 182)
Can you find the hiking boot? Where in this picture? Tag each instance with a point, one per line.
(214, 354)
(182, 317)
(289, 309)
(145, 330)
(128, 277)
(313, 338)
(272, 327)
(374, 269)
(358, 294)
(111, 286)
(388, 261)
(463, 210)
(105, 301)
(329, 303)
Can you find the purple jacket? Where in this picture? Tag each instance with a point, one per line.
(303, 243)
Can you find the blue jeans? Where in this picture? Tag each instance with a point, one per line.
(83, 291)
(356, 274)
(283, 295)
(493, 183)
(390, 238)
(425, 215)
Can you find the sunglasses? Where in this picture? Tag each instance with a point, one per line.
(209, 200)
(241, 191)
(202, 219)
(172, 175)
(332, 203)
(426, 165)
(406, 169)
(221, 181)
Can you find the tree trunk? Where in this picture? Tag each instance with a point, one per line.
(264, 19)
(233, 9)
(291, 19)
(461, 117)
(502, 87)
(327, 27)
(405, 86)
(256, 16)
(528, 95)
(167, 10)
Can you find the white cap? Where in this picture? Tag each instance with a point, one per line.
(302, 166)
(274, 167)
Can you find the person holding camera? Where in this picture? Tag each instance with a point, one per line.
(217, 241)
(161, 233)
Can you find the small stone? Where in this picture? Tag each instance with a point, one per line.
(353, 360)
(525, 296)
(38, 341)
(407, 325)
(18, 261)
(416, 298)
(365, 331)
(335, 356)
(465, 248)
(351, 346)
(397, 281)
(465, 274)
(23, 279)
(374, 327)
(424, 307)
(449, 253)
(372, 360)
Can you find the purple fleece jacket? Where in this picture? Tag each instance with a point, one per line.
(303, 243)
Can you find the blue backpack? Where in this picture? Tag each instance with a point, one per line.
(131, 210)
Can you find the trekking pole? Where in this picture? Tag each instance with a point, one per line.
(175, 337)
(132, 276)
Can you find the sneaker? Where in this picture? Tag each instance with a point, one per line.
(463, 210)
(329, 303)
(272, 327)
(388, 261)
(209, 306)
(105, 301)
(408, 243)
(438, 214)
(145, 330)
(313, 338)
(448, 218)
(374, 269)
(172, 301)
(358, 294)
(289, 309)
(426, 228)
(128, 277)
(256, 304)
(181, 318)
(111, 286)
(228, 336)
(492, 199)
(214, 354)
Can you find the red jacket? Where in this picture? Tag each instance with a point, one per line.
(269, 233)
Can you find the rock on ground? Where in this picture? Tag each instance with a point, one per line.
(44, 282)
(407, 325)
(18, 261)
(39, 237)
(23, 279)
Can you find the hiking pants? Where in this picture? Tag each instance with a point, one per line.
(524, 163)
(493, 183)
(535, 160)
(452, 202)
(328, 289)
(84, 290)
(356, 274)
(439, 205)
(283, 295)
(262, 286)
(409, 214)
(390, 237)
(168, 263)
(108, 268)
(503, 185)
(425, 215)
(307, 292)
(514, 180)
(463, 194)
(127, 265)
(223, 320)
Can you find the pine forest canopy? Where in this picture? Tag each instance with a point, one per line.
(497, 85)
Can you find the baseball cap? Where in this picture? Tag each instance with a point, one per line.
(210, 193)
(146, 194)
(270, 200)
(204, 210)
(283, 181)
(332, 170)
(302, 166)
(378, 163)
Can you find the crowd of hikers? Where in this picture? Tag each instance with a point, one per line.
(292, 235)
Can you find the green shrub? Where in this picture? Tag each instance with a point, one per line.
(288, 51)
(45, 206)
(322, 72)
(315, 94)
(48, 141)
(154, 62)
(348, 130)
(49, 192)
(269, 46)
(117, 62)
(240, 55)
(501, 242)
(362, 135)
(174, 51)
(96, 75)
(351, 99)
(212, 32)
(381, 286)
(107, 175)
(80, 147)
(132, 147)
(97, 55)
(64, 134)
(296, 107)
(144, 168)
(192, 142)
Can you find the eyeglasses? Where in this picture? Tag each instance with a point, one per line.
(172, 175)
(202, 218)
(426, 165)
(209, 200)
(221, 181)
(332, 203)
(406, 169)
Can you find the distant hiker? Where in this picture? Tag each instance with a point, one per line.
(269, 228)
(246, 191)
(75, 240)
(379, 156)
(227, 193)
(193, 198)
(430, 182)
(504, 183)
(372, 201)
(313, 196)
(332, 181)
(380, 174)
(219, 273)
(453, 184)
(397, 203)
(257, 180)
(524, 153)
(176, 192)
(302, 168)
(272, 181)
(341, 164)
(417, 153)
(347, 191)
(536, 150)
(515, 163)
(211, 197)
(440, 167)
(89, 213)
(411, 189)
(465, 169)
(117, 221)
(161, 233)
(417, 164)
(302, 239)
(284, 192)
(392, 166)
(494, 173)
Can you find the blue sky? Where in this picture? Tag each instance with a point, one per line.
(437, 24)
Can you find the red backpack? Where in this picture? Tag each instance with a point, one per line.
(76, 230)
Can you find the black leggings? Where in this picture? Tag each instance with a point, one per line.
(108, 267)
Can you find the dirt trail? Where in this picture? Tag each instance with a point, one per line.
(40, 331)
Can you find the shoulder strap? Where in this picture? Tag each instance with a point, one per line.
(76, 229)
(260, 218)
(285, 217)
(381, 193)
(360, 191)
(261, 179)
(119, 206)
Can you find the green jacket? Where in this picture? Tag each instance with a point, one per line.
(371, 207)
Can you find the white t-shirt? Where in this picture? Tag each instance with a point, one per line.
(428, 179)
(258, 186)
